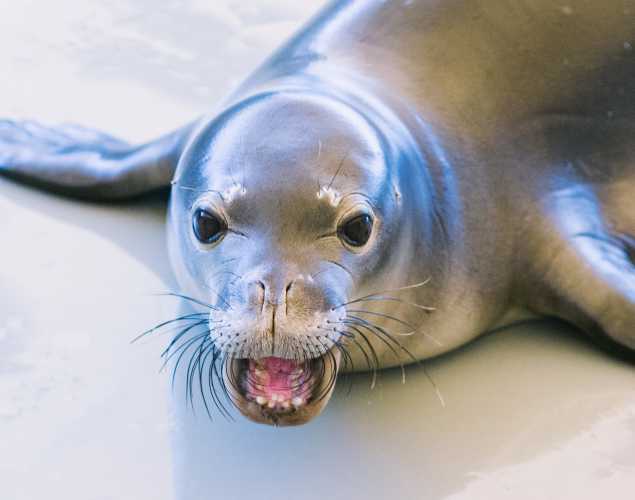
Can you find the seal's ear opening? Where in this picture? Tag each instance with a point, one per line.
(83, 163)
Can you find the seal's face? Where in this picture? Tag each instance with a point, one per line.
(279, 216)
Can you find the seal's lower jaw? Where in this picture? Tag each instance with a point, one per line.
(281, 392)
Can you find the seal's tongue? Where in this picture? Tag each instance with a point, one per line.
(278, 382)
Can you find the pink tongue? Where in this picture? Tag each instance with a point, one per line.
(277, 378)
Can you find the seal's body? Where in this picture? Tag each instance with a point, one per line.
(397, 179)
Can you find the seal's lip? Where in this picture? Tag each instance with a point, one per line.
(282, 391)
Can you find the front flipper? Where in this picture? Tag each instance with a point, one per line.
(84, 163)
(582, 271)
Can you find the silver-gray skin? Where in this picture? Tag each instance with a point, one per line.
(492, 142)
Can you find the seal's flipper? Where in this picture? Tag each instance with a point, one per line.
(85, 163)
(588, 271)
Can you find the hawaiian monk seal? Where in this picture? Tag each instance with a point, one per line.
(397, 179)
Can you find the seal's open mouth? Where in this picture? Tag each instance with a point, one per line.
(280, 384)
(283, 391)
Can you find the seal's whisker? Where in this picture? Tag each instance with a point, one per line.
(221, 272)
(414, 329)
(185, 317)
(376, 331)
(387, 298)
(186, 297)
(180, 335)
(428, 336)
(398, 334)
(415, 360)
(176, 183)
(333, 374)
(212, 388)
(348, 361)
(226, 367)
(191, 370)
(203, 347)
(372, 365)
(343, 267)
(371, 349)
(346, 356)
(183, 348)
(433, 383)
(383, 315)
(213, 373)
(220, 296)
(208, 351)
(339, 168)
(407, 287)
(371, 362)
(171, 350)
(331, 379)
(188, 381)
(383, 331)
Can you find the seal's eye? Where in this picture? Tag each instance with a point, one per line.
(208, 227)
(356, 230)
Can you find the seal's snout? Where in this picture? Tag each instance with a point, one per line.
(298, 295)
(261, 293)
(276, 331)
(252, 323)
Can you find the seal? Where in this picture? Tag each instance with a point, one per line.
(397, 179)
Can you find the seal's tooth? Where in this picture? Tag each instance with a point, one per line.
(261, 400)
(297, 401)
(271, 404)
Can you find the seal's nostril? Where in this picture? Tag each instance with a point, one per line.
(286, 296)
(262, 294)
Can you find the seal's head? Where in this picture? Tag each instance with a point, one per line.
(282, 210)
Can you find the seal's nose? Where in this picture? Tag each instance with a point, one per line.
(257, 292)
(268, 292)
(296, 291)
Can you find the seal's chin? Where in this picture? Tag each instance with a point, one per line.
(279, 391)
